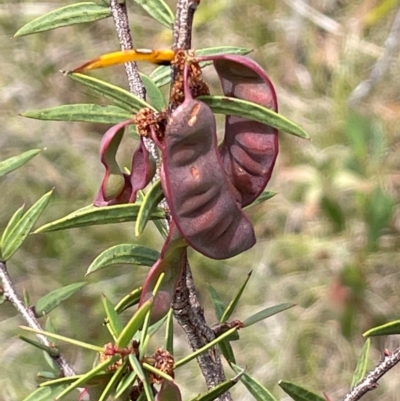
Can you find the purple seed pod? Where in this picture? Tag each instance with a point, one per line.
(201, 198)
(171, 262)
(169, 391)
(250, 148)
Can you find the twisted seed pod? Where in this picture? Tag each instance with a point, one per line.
(200, 196)
(250, 148)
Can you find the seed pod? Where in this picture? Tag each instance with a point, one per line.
(201, 198)
(250, 148)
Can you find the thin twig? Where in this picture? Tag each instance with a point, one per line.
(380, 67)
(30, 318)
(370, 382)
(187, 308)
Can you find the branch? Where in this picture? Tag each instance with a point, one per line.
(370, 381)
(30, 318)
(380, 67)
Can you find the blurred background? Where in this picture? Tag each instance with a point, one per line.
(328, 241)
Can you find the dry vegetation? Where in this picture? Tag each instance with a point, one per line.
(328, 241)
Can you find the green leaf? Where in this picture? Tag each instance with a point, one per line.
(51, 300)
(153, 93)
(256, 389)
(217, 302)
(137, 367)
(129, 300)
(101, 367)
(134, 324)
(91, 113)
(113, 382)
(361, 368)
(21, 230)
(121, 97)
(252, 111)
(384, 330)
(14, 162)
(63, 338)
(16, 217)
(218, 390)
(162, 74)
(124, 254)
(125, 382)
(298, 393)
(232, 305)
(148, 206)
(264, 196)
(92, 215)
(113, 321)
(169, 332)
(227, 351)
(64, 16)
(52, 351)
(266, 313)
(45, 393)
(199, 351)
(159, 10)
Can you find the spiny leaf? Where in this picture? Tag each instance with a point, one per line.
(384, 330)
(253, 111)
(121, 97)
(14, 162)
(21, 230)
(91, 215)
(159, 10)
(91, 113)
(64, 16)
(149, 204)
(51, 300)
(362, 364)
(124, 254)
(256, 389)
(265, 313)
(298, 393)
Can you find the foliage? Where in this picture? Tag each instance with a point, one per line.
(342, 189)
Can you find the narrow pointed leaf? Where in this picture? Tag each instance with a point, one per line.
(253, 111)
(125, 382)
(266, 195)
(65, 339)
(90, 216)
(129, 300)
(217, 302)
(91, 113)
(193, 355)
(148, 206)
(100, 378)
(124, 254)
(22, 229)
(134, 324)
(14, 162)
(384, 330)
(232, 305)
(159, 10)
(169, 332)
(162, 75)
(45, 393)
(255, 388)
(50, 350)
(265, 313)
(47, 375)
(64, 16)
(16, 217)
(298, 393)
(362, 364)
(112, 384)
(51, 300)
(153, 93)
(218, 390)
(227, 351)
(89, 375)
(121, 97)
(156, 371)
(113, 321)
(137, 367)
